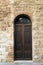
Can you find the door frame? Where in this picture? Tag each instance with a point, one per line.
(14, 33)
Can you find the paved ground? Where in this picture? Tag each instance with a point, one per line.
(21, 63)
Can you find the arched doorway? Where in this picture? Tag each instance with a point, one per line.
(23, 38)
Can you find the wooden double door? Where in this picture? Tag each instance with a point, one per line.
(23, 42)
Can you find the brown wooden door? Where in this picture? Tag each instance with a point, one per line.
(23, 42)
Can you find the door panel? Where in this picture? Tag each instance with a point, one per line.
(18, 28)
(27, 27)
(27, 55)
(18, 42)
(19, 55)
(27, 42)
(23, 42)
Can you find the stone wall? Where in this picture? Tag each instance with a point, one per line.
(6, 31)
(9, 9)
(38, 32)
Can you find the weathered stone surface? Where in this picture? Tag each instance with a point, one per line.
(9, 9)
(6, 31)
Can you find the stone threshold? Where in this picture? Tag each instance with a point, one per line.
(24, 61)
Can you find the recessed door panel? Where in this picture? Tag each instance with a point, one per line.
(27, 55)
(19, 55)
